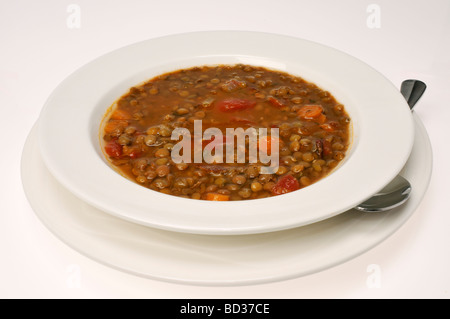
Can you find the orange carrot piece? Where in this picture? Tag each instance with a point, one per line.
(266, 143)
(120, 115)
(217, 197)
(320, 119)
(329, 127)
(276, 102)
(111, 126)
(310, 112)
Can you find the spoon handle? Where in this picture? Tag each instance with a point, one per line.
(412, 90)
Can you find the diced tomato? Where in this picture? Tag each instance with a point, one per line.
(135, 153)
(275, 102)
(285, 184)
(113, 149)
(235, 104)
(327, 149)
(323, 148)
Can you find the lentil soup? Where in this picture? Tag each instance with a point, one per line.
(313, 131)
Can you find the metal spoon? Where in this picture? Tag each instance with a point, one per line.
(396, 192)
(412, 90)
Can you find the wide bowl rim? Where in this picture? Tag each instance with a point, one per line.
(102, 187)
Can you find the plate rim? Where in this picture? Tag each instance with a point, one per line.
(399, 216)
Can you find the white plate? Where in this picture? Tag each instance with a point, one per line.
(216, 260)
(69, 132)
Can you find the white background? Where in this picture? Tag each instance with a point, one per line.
(38, 50)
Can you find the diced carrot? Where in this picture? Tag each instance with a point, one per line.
(268, 143)
(330, 126)
(120, 114)
(310, 112)
(276, 102)
(320, 119)
(112, 126)
(217, 197)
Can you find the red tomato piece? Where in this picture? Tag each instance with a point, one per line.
(285, 184)
(135, 153)
(113, 149)
(235, 104)
(327, 149)
(323, 148)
